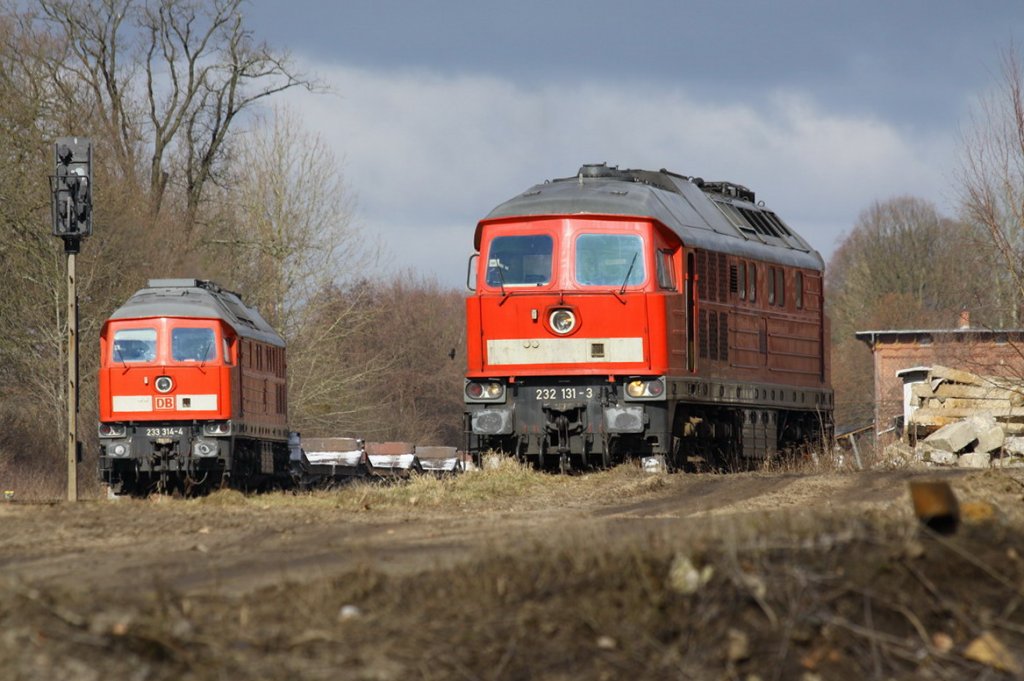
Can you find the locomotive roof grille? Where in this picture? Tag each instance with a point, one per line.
(718, 215)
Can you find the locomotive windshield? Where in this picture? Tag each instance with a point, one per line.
(134, 345)
(197, 345)
(520, 260)
(609, 260)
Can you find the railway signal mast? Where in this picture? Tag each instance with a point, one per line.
(71, 208)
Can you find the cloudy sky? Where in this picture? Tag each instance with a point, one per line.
(441, 110)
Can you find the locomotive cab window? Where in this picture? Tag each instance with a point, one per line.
(228, 347)
(193, 345)
(609, 260)
(134, 345)
(520, 260)
(666, 275)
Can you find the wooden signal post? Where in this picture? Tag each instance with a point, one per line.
(71, 207)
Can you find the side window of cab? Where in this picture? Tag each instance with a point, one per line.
(230, 345)
(666, 273)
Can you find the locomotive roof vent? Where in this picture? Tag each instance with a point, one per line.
(730, 189)
(600, 170)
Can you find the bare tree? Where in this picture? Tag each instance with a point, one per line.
(991, 180)
(903, 248)
(161, 88)
(332, 372)
(423, 390)
(289, 221)
(31, 308)
(396, 351)
(902, 266)
(286, 229)
(198, 68)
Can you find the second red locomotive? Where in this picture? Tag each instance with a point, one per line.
(192, 392)
(633, 313)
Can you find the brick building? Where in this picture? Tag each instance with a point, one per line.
(989, 352)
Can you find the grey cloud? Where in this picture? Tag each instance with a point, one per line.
(429, 154)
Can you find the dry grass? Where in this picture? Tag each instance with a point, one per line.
(809, 593)
(31, 482)
(505, 484)
(502, 483)
(834, 597)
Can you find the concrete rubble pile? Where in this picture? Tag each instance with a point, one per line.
(967, 420)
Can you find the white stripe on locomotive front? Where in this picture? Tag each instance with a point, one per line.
(197, 402)
(565, 350)
(132, 403)
(140, 403)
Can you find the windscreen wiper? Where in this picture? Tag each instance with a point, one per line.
(120, 357)
(628, 272)
(501, 278)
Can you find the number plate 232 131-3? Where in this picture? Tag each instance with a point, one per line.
(565, 393)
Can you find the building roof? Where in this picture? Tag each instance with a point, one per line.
(928, 335)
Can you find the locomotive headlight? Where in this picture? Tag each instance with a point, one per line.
(645, 389)
(635, 388)
(562, 321)
(217, 428)
(108, 430)
(163, 384)
(485, 391)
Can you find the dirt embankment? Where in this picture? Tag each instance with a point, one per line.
(769, 576)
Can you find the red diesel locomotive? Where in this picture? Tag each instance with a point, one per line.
(632, 313)
(192, 392)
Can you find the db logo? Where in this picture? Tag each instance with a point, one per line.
(164, 402)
